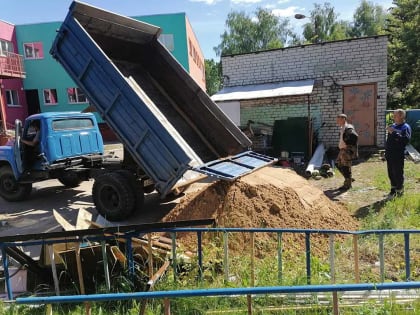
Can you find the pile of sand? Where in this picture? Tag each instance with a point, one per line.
(272, 197)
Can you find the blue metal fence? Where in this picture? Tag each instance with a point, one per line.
(128, 233)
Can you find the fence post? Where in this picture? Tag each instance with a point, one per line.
(280, 257)
(249, 297)
(167, 306)
(381, 257)
(332, 274)
(407, 256)
(200, 255)
(174, 263)
(356, 258)
(308, 257)
(226, 255)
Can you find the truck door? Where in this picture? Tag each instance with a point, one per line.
(17, 146)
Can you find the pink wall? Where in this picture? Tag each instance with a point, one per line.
(7, 32)
(195, 57)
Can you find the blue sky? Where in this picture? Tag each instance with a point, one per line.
(207, 17)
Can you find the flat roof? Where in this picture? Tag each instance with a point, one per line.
(247, 92)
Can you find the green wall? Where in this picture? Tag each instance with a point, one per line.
(47, 73)
(172, 24)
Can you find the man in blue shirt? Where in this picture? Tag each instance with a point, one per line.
(399, 134)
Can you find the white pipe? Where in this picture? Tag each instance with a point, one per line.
(316, 160)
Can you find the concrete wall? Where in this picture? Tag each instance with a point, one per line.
(332, 65)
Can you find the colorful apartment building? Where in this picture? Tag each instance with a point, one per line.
(42, 85)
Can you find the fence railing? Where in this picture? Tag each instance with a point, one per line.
(127, 233)
(11, 66)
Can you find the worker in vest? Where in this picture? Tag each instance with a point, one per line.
(348, 150)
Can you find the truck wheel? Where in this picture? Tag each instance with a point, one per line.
(69, 179)
(10, 189)
(136, 187)
(113, 196)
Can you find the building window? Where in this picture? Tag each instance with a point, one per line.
(168, 41)
(76, 95)
(5, 47)
(33, 50)
(12, 98)
(50, 96)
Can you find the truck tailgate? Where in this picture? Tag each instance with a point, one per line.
(236, 166)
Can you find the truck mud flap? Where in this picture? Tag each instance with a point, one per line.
(236, 166)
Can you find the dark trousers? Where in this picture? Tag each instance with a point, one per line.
(395, 165)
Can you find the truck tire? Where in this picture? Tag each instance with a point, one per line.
(70, 179)
(113, 196)
(10, 189)
(136, 186)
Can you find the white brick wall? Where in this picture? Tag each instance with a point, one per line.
(355, 61)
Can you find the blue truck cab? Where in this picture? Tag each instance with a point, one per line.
(68, 143)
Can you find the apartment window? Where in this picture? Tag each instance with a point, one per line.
(76, 95)
(168, 41)
(50, 96)
(33, 50)
(5, 47)
(12, 98)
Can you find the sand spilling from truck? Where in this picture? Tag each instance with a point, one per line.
(272, 197)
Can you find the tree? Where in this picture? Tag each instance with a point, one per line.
(368, 20)
(246, 34)
(324, 25)
(213, 76)
(403, 54)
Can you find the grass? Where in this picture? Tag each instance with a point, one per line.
(399, 213)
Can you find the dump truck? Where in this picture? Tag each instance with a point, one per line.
(69, 147)
(170, 129)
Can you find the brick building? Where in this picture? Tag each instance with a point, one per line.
(311, 83)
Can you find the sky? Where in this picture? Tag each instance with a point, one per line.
(207, 17)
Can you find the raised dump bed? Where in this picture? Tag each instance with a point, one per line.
(165, 121)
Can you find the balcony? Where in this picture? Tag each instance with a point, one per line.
(11, 66)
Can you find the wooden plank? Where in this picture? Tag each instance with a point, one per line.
(413, 153)
(63, 222)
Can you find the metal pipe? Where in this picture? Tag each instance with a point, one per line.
(407, 256)
(200, 254)
(220, 292)
(381, 257)
(308, 257)
(174, 262)
(280, 257)
(226, 255)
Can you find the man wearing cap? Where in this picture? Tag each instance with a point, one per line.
(348, 149)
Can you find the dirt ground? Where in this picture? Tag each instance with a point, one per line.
(272, 197)
(277, 197)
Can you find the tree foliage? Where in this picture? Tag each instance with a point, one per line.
(369, 20)
(403, 54)
(213, 76)
(245, 34)
(324, 25)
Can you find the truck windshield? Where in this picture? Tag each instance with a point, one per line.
(77, 123)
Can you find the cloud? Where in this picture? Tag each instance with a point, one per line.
(290, 11)
(282, 1)
(245, 1)
(210, 2)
